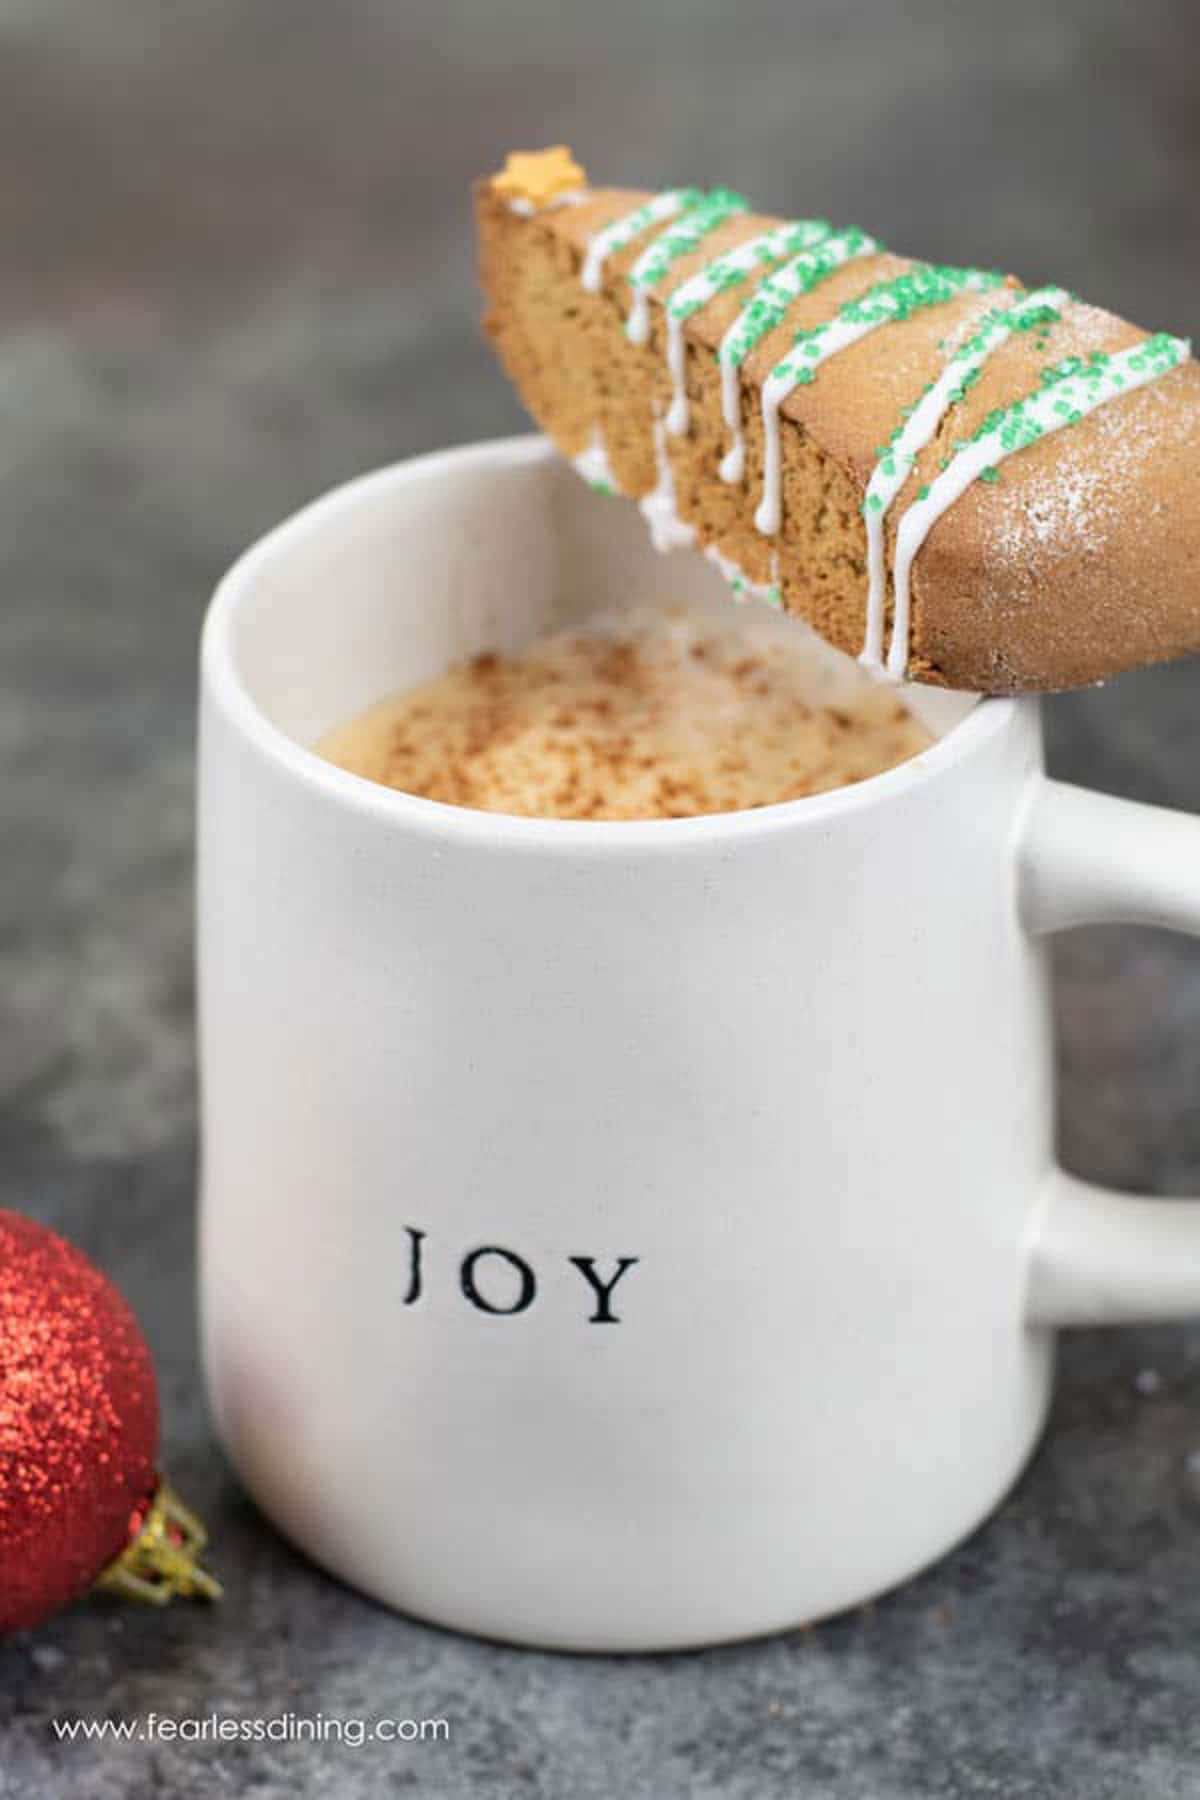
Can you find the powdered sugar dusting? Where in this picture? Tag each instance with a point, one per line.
(1071, 509)
(1069, 512)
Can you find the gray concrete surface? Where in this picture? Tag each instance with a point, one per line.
(235, 269)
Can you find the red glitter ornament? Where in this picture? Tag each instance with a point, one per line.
(80, 1498)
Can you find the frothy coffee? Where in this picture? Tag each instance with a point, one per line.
(648, 715)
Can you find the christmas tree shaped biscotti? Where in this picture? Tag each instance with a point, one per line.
(961, 480)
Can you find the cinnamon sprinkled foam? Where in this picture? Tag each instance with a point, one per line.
(638, 715)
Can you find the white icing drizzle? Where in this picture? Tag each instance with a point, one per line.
(1066, 395)
(857, 319)
(667, 530)
(765, 309)
(611, 238)
(1042, 306)
(593, 465)
(569, 197)
(679, 412)
(725, 272)
(652, 266)
(740, 584)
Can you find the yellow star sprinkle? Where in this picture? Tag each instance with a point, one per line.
(538, 175)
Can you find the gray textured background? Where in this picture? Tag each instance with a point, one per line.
(236, 269)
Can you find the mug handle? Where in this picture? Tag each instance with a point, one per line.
(1099, 1256)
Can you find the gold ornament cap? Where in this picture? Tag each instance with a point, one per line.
(162, 1558)
(539, 176)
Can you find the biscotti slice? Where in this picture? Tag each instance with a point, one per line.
(960, 480)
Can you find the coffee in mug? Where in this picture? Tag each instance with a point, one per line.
(649, 714)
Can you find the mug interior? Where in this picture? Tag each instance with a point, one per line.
(388, 581)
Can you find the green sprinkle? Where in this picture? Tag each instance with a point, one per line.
(735, 266)
(891, 302)
(684, 235)
(770, 302)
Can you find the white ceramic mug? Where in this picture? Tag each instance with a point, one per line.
(624, 1236)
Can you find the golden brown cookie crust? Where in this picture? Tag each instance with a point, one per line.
(1081, 561)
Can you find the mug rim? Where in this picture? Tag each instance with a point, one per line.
(221, 680)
